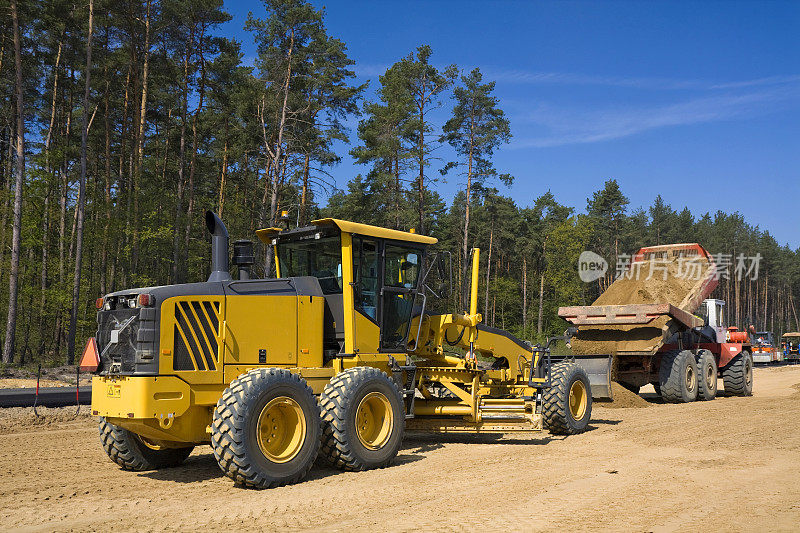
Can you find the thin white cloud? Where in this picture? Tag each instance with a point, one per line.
(578, 126)
(636, 82)
(370, 70)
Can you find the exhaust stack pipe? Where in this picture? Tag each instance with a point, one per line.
(219, 248)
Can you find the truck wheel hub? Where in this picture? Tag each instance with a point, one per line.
(281, 429)
(577, 400)
(374, 420)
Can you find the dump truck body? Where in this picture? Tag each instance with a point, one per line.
(645, 321)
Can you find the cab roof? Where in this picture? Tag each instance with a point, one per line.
(266, 234)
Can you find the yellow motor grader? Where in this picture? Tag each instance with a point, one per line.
(335, 357)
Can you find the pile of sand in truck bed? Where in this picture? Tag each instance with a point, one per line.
(639, 290)
(676, 289)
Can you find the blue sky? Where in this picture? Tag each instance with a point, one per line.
(696, 101)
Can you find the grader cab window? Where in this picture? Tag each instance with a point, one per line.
(401, 270)
(402, 267)
(321, 258)
(367, 267)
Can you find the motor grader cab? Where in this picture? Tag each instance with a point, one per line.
(336, 356)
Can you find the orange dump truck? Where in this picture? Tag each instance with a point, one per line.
(659, 327)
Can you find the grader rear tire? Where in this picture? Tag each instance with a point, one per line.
(738, 375)
(363, 420)
(134, 452)
(678, 377)
(567, 403)
(265, 429)
(706, 375)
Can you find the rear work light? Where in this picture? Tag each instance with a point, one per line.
(145, 300)
(90, 360)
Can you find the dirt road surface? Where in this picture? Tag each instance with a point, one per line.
(732, 464)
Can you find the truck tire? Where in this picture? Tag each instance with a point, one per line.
(567, 403)
(737, 376)
(363, 420)
(678, 377)
(134, 452)
(706, 375)
(251, 452)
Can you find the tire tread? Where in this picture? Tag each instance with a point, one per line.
(228, 429)
(336, 450)
(555, 401)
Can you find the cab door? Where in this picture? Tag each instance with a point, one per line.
(401, 267)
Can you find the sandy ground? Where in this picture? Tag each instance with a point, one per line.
(732, 464)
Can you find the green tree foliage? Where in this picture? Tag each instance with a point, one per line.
(164, 121)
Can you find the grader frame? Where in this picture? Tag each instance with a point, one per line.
(340, 334)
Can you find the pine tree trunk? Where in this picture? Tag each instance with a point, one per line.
(397, 192)
(524, 294)
(13, 283)
(304, 193)
(273, 204)
(541, 291)
(421, 184)
(193, 162)
(106, 191)
(221, 203)
(46, 215)
(465, 247)
(177, 269)
(73, 323)
(488, 268)
(124, 184)
(766, 293)
(137, 174)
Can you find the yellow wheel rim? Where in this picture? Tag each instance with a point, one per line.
(577, 400)
(281, 429)
(374, 420)
(691, 378)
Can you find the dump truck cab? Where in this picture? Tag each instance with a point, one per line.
(337, 355)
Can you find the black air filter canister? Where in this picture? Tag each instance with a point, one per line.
(243, 257)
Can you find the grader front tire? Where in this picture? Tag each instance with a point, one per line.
(363, 420)
(567, 403)
(265, 430)
(133, 452)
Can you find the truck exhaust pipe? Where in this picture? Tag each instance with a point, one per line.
(219, 248)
